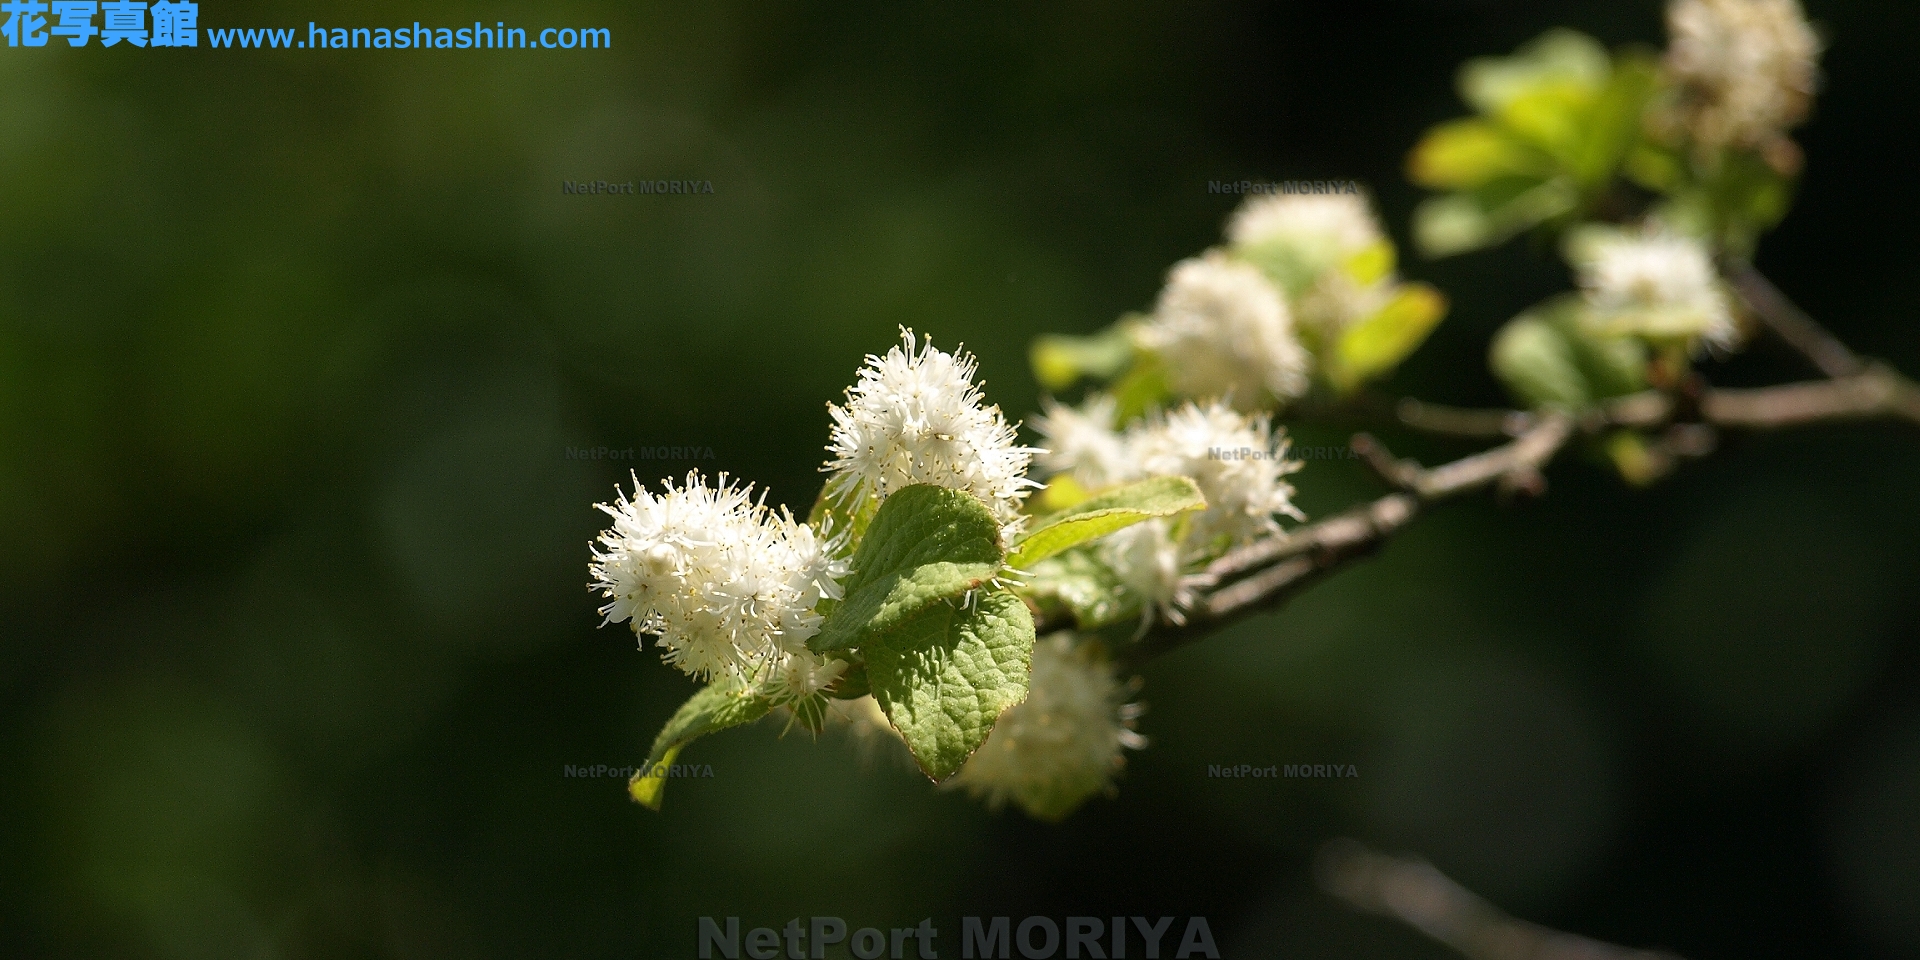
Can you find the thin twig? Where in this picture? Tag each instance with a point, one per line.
(1876, 390)
(1267, 573)
(1421, 897)
(1791, 324)
(1682, 424)
(1460, 421)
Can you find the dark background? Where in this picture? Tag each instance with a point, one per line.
(296, 640)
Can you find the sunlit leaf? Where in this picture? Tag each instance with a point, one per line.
(926, 544)
(1113, 510)
(1557, 56)
(1376, 345)
(945, 677)
(725, 703)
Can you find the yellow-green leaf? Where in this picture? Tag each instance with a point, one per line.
(1060, 361)
(1557, 56)
(926, 544)
(725, 703)
(1376, 345)
(1113, 510)
(1466, 153)
(1371, 265)
(1613, 124)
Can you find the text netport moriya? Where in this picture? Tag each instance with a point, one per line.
(629, 187)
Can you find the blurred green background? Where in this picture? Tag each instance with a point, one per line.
(297, 643)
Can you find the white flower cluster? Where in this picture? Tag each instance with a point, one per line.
(1222, 329)
(1306, 241)
(1082, 443)
(727, 586)
(1746, 68)
(1063, 743)
(1318, 231)
(1653, 283)
(1237, 460)
(916, 416)
(1241, 323)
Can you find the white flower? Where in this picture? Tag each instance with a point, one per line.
(1063, 743)
(728, 586)
(1298, 237)
(916, 416)
(1236, 459)
(1746, 68)
(1653, 283)
(799, 674)
(1081, 443)
(1340, 221)
(1337, 301)
(1148, 561)
(1222, 329)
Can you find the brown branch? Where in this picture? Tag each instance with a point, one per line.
(1682, 424)
(1876, 390)
(1418, 895)
(1460, 421)
(1791, 324)
(1267, 573)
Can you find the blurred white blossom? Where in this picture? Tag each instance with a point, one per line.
(1238, 461)
(1336, 301)
(1149, 562)
(1653, 283)
(916, 416)
(1746, 68)
(1081, 442)
(1063, 743)
(1328, 252)
(1223, 330)
(1323, 229)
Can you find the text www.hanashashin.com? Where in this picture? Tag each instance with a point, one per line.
(416, 37)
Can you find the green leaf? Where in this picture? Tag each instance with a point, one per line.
(1143, 388)
(1610, 365)
(1613, 125)
(1060, 361)
(1559, 56)
(1537, 363)
(1638, 462)
(1553, 118)
(1087, 587)
(926, 544)
(725, 703)
(1458, 222)
(853, 684)
(1462, 154)
(1613, 366)
(1656, 167)
(945, 677)
(1376, 345)
(1371, 265)
(1745, 198)
(1113, 510)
